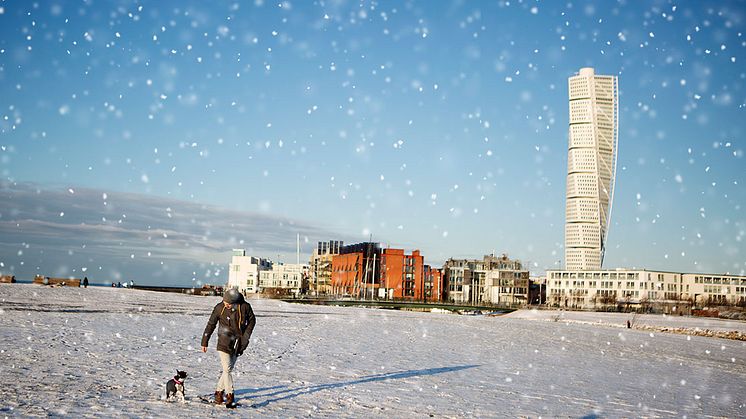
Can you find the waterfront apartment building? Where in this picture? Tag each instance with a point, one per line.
(491, 280)
(243, 271)
(458, 272)
(591, 167)
(320, 282)
(402, 276)
(641, 287)
(433, 281)
(366, 271)
(506, 287)
(354, 270)
(284, 279)
(716, 289)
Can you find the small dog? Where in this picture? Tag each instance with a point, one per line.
(175, 386)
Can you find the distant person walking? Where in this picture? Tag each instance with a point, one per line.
(236, 322)
(85, 282)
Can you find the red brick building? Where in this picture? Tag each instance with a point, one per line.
(365, 270)
(402, 275)
(346, 272)
(355, 271)
(434, 291)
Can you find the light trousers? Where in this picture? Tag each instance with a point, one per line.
(225, 382)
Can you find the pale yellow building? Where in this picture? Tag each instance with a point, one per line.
(598, 288)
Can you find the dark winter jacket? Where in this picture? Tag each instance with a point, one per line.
(236, 325)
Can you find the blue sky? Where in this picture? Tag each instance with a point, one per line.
(440, 126)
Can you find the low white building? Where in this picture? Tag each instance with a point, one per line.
(320, 282)
(243, 272)
(506, 287)
(490, 280)
(715, 288)
(588, 289)
(284, 278)
(456, 271)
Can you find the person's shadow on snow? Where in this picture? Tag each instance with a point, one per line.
(289, 393)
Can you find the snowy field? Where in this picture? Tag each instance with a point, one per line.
(101, 352)
(641, 320)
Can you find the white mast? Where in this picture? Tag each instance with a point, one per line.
(372, 281)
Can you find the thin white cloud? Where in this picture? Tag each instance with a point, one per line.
(115, 235)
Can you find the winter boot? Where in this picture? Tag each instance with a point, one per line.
(219, 397)
(229, 402)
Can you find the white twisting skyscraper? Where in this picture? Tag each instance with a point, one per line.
(591, 167)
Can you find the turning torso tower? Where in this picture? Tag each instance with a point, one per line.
(591, 167)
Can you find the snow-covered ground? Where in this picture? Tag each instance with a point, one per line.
(640, 320)
(108, 352)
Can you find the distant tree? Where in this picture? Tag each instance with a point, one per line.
(741, 302)
(645, 305)
(692, 302)
(627, 302)
(608, 299)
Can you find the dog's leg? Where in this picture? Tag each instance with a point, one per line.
(170, 392)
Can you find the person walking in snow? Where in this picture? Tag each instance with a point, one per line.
(236, 322)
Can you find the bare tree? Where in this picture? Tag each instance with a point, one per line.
(645, 305)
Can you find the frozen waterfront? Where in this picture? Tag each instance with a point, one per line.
(108, 352)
